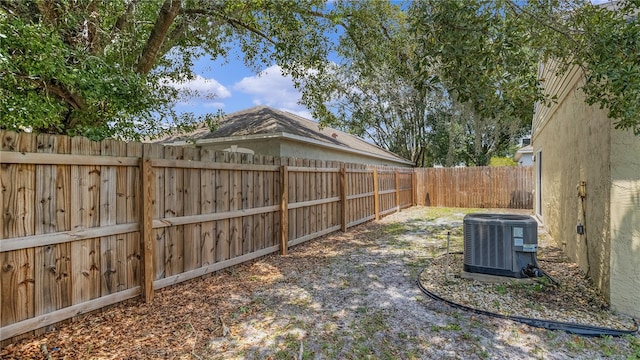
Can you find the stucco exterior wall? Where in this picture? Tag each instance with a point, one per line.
(295, 149)
(263, 147)
(625, 222)
(305, 151)
(575, 144)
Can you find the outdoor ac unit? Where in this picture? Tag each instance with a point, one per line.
(499, 244)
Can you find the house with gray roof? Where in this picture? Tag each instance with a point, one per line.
(267, 131)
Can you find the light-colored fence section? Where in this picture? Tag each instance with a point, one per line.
(89, 224)
(476, 187)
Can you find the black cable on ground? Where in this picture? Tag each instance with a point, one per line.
(572, 328)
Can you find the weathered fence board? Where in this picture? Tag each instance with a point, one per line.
(87, 224)
(476, 187)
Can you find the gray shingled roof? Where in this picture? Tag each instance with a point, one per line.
(263, 120)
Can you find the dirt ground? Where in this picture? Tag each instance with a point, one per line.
(344, 296)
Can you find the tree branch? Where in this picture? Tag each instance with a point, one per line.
(231, 21)
(166, 16)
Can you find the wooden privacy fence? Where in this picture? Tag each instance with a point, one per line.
(476, 187)
(89, 224)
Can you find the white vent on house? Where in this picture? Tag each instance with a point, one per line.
(499, 244)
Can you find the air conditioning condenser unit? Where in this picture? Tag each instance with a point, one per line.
(500, 244)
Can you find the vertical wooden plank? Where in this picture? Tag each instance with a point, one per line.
(334, 209)
(284, 206)
(207, 206)
(246, 236)
(85, 213)
(156, 151)
(317, 184)
(259, 221)
(292, 196)
(222, 205)
(235, 203)
(148, 203)
(52, 269)
(306, 211)
(269, 199)
(312, 195)
(397, 178)
(173, 207)
(18, 209)
(353, 186)
(376, 195)
(109, 256)
(343, 198)
(121, 240)
(300, 215)
(323, 195)
(276, 197)
(133, 245)
(192, 232)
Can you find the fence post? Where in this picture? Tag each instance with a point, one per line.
(376, 195)
(397, 189)
(414, 188)
(343, 197)
(284, 209)
(146, 228)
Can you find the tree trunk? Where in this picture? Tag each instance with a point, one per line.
(167, 15)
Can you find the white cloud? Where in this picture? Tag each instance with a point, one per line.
(203, 86)
(215, 105)
(273, 89)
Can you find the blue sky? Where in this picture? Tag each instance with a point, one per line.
(231, 87)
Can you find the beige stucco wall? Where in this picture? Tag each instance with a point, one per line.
(305, 151)
(296, 149)
(625, 222)
(575, 143)
(264, 147)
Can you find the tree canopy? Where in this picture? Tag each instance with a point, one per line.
(435, 81)
(102, 68)
(455, 81)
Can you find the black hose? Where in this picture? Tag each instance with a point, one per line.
(554, 281)
(572, 328)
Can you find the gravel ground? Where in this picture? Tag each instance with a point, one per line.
(343, 296)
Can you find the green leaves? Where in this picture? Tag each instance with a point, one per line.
(82, 67)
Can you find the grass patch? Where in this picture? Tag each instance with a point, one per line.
(289, 348)
(634, 342)
(395, 229)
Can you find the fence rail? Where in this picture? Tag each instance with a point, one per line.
(89, 224)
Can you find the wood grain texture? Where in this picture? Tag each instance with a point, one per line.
(133, 245)
(110, 257)
(192, 198)
(173, 207)
(18, 209)
(85, 213)
(207, 206)
(222, 205)
(52, 261)
(284, 213)
(154, 151)
(235, 203)
(247, 234)
(149, 247)
(478, 187)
